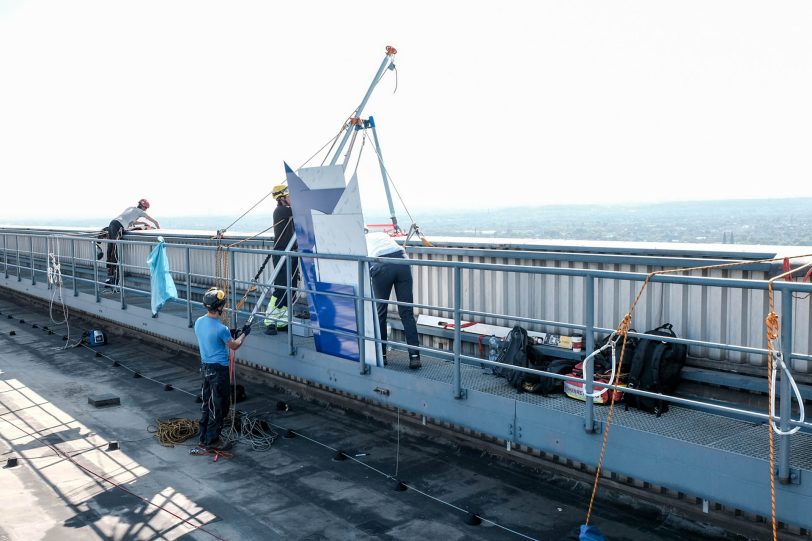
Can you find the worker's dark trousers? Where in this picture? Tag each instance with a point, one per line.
(215, 394)
(280, 291)
(116, 231)
(385, 276)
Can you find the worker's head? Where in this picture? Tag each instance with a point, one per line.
(214, 300)
(143, 204)
(280, 193)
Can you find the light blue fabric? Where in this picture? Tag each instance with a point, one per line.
(163, 286)
(591, 533)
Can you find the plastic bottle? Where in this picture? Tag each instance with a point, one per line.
(493, 348)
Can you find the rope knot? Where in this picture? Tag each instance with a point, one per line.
(772, 325)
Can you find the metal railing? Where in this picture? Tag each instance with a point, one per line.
(31, 255)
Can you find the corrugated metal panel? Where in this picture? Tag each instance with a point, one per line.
(723, 315)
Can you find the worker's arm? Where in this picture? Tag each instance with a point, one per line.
(235, 343)
(154, 221)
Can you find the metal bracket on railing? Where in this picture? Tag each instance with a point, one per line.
(794, 476)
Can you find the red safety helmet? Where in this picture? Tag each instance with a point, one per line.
(143, 204)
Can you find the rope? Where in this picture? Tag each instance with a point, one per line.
(171, 432)
(772, 334)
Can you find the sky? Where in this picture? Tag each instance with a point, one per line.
(196, 105)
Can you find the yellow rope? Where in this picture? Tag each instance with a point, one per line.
(171, 432)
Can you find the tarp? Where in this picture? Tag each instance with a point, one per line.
(163, 286)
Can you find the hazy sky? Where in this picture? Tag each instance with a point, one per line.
(195, 105)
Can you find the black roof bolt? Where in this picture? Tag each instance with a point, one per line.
(10, 316)
(11, 462)
(64, 337)
(45, 327)
(198, 399)
(22, 321)
(35, 326)
(399, 486)
(115, 363)
(282, 406)
(12, 333)
(289, 435)
(168, 387)
(112, 446)
(137, 375)
(340, 455)
(50, 332)
(473, 519)
(98, 354)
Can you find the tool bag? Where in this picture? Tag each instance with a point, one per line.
(513, 351)
(575, 389)
(655, 367)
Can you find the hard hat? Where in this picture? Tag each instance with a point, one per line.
(143, 203)
(280, 190)
(214, 299)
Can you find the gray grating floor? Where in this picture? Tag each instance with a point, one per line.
(702, 428)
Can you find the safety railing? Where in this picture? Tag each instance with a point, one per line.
(35, 256)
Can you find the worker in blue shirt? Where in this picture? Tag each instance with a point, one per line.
(215, 341)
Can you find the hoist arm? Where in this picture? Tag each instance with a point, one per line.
(388, 63)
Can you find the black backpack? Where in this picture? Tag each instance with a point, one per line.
(655, 367)
(603, 360)
(513, 351)
(545, 385)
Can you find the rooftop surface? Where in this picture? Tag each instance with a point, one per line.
(67, 485)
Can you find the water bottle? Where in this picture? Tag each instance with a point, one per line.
(493, 348)
(493, 352)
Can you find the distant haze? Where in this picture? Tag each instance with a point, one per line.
(771, 221)
(196, 105)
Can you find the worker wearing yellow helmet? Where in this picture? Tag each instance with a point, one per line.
(276, 316)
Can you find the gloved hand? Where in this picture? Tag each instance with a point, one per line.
(246, 329)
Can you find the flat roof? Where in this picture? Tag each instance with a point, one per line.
(295, 490)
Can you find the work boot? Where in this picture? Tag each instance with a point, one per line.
(414, 361)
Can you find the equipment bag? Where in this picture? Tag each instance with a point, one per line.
(603, 360)
(545, 385)
(655, 367)
(513, 351)
(575, 389)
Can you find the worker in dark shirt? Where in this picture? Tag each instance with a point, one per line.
(276, 316)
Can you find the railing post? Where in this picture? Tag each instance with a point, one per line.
(73, 265)
(48, 284)
(289, 281)
(458, 394)
(19, 264)
(189, 287)
(31, 244)
(359, 314)
(120, 264)
(589, 336)
(785, 407)
(5, 255)
(232, 280)
(96, 277)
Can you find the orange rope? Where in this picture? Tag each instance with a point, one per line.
(772, 334)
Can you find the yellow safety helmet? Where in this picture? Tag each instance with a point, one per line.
(280, 190)
(214, 299)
